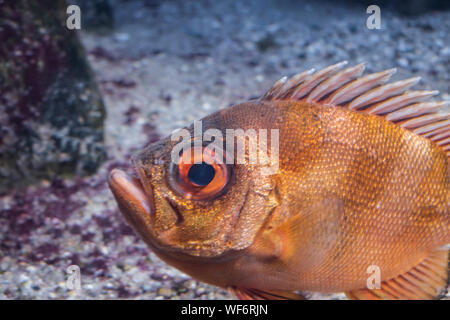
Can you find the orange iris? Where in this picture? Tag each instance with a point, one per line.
(200, 175)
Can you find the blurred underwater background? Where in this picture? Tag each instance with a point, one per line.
(76, 103)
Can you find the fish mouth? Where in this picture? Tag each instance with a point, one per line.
(132, 198)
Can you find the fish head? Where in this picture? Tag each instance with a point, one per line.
(188, 199)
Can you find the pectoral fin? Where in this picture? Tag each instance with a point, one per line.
(319, 223)
(257, 294)
(427, 280)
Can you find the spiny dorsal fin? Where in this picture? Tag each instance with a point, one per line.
(369, 94)
(428, 280)
(336, 81)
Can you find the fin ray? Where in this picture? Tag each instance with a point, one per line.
(382, 92)
(359, 86)
(316, 78)
(415, 110)
(400, 101)
(336, 81)
(258, 294)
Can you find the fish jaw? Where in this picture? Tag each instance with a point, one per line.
(135, 204)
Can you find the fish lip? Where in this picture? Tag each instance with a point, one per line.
(129, 187)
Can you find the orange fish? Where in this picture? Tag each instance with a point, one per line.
(357, 201)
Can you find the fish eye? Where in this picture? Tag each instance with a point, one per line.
(200, 175)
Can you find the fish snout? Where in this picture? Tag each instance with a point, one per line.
(134, 202)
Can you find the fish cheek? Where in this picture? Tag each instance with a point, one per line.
(165, 215)
(204, 229)
(198, 228)
(260, 200)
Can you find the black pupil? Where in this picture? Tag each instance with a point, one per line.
(201, 174)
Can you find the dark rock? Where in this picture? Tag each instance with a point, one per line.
(266, 43)
(51, 114)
